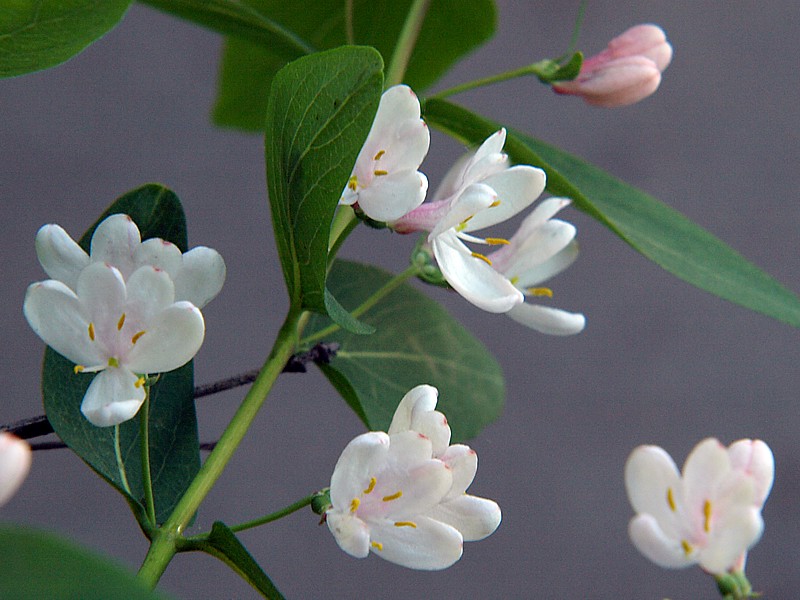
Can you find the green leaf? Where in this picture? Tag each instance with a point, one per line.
(654, 229)
(452, 28)
(224, 545)
(320, 111)
(35, 565)
(416, 342)
(38, 34)
(174, 444)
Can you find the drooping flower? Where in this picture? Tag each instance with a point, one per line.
(198, 274)
(386, 183)
(15, 462)
(710, 514)
(627, 71)
(402, 494)
(121, 330)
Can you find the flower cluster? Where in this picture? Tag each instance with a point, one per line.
(710, 514)
(481, 190)
(126, 310)
(402, 494)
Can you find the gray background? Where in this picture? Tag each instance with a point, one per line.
(659, 362)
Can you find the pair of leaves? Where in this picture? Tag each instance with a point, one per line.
(451, 29)
(651, 227)
(38, 34)
(174, 444)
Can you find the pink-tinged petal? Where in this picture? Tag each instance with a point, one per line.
(736, 532)
(201, 276)
(393, 196)
(645, 40)
(113, 397)
(173, 338)
(114, 241)
(101, 289)
(538, 274)
(429, 545)
(360, 460)
(705, 468)
(15, 462)
(160, 254)
(473, 278)
(621, 82)
(60, 256)
(58, 317)
(475, 518)
(650, 540)
(351, 533)
(475, 199)
(421, 398)
(434, 426)
(463, 463)
(402, 494)
(516, 188)
(654, 487)
(544, 319)
(150, 290)
(754, 458)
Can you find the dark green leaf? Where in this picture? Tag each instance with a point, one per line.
(37, 34)
(174, 444)
(35, 565)
(651, 227)
(223, 544)
(416, 342)
(320, 111)
(452, 29)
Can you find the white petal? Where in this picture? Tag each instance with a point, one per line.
(173, 338)
(112, 397)
(15, 462)
(542, 245)
(706, 466)
(733, 535)
(201, 276)
(475, 518)
(57, 316)
(649, 475)
(160, 254)
(473, 200)
(544, 319)
(114, 241)
(651, 541)
(471, 277)
(755, 458)
(430, 545)
(351, 533)
(463, 463)
(150, 291)
(61, 257)
(393, 196)
(517, 188)
(101, 289)
(538, 274)
(359, 461)
(421, 398)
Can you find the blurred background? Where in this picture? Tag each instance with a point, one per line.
(659, 362)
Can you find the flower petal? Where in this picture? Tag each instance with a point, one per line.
(101, 289)
(15, 462)
(472, 201)
(650, 474)
(201, 276)
(172, 340)
(60, 256)
(160, 254)
(754, 458)
(114, 241)
(394, 195)
(475, 518)
(113, 397)
(540, 273)
(359, 461)
(150, 290)
(736, 531)
(516, 188)
(421, 398)
(543, 244)
(351, 533)
(430, 545)
(650, 540)
(706, 466)
(552, 321)
(463, 463)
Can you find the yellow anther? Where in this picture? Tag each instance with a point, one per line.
(379, 154)
(671, 500)
(687, 547)
(495, 203)
(78, 369)
(707, 516)
(497, 241)
(394, 496)
(514, 280)
(405, 524)
(91, 331)
(541, 291)
(380, 172)
(352, 183)
(121, 322)
(136, 337)
(354, 504)
(481, 257)
(371, 486)
(139, 382)
(377, 545)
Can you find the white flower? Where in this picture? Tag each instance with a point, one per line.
(198, 275)
(710, 515)
(15, 462)
(120, 330)
(385, 182)
(402, 494)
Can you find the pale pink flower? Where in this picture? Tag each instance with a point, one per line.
(15, 462)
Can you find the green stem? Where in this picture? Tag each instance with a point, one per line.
(120, 463)
(406, 42)
(573, 42)
(166, 539)
(349, 32)
(534, 69)
(376, 297)
(144, 440)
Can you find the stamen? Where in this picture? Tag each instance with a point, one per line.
(354, 504)
(378, 155)
(371, 486)
(481, 257)
(380, 172)
(707, 516)
(91, 331)
(541, 291)
(495, 203)
(497, 241)
(113, 362)
(514, 280)
(405, 524)
(121, 322)
(136, 337)
(78, 369)
(377, 545)
(139, 382)
(352, 183)
(394, 496)
(671, 500)
(687, 547)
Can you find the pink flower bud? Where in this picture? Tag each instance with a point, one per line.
(628, 70)
(15, 461)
